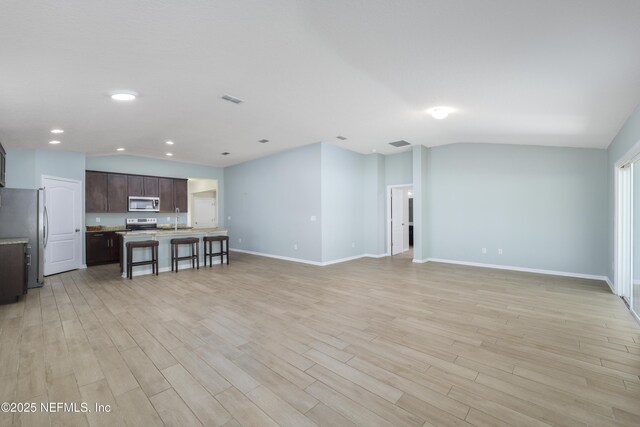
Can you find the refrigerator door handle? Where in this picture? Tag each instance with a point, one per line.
(46, 227)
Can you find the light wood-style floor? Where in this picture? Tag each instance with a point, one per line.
(372, 342)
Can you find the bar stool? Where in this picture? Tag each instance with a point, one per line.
(210, 254)
(153, 244)
(194, 242)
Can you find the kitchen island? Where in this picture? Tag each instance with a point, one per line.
(164, 236)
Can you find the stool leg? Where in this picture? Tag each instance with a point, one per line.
(177, 255)
(205, 257)
(129, 253)
(198, 254)
(172, 245)
(193, 261)
(227, 251)
(221, 254)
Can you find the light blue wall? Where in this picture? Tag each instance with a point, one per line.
(545, 207)
(153, 167)
(374, 190)
(21, 169)
(271, 200)
(342, 198)
(399, 168)
(626, 138)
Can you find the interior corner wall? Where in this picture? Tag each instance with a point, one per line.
(628, 136)
(342, 196)
(545, 207)
(269, 203)
(374, 190)
(421, 238)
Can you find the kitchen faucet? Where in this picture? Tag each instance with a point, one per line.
(177, 214)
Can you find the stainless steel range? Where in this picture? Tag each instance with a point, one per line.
(134, 224)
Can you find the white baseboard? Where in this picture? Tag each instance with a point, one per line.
(83, 266)
(147, 270)
(306, 261)
(613, 291)
(523, 269)
(420, 261)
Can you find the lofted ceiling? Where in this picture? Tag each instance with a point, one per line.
(544, 72)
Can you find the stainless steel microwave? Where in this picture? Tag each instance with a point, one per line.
(144, 204)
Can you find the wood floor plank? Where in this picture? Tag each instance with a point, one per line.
(367, 342)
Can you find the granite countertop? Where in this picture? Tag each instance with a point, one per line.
(119, 228)
(14, 241)
(171, 232)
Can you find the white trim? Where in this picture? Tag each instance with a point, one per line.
(83, 266)
(305, 261)
(606, 279)
(144, 271)
(523, 269)
(420, 261)
(376, 256)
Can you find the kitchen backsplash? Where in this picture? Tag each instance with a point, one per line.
(111, 219)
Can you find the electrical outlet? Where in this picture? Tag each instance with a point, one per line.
(353, 244)
(313, 218)
(499, 251)
(240, 240)
(295, 246)
(484, 250)
(97, 220)
(168, 218)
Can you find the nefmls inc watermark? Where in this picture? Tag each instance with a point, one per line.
(51, 407)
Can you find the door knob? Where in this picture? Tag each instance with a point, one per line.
(77, 230)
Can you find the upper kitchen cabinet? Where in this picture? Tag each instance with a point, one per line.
(180, 194)
(173, 194)
(151, 186)
(117, 196)
(3, 166)
(166, 194)
(96, 191)
(135, 185)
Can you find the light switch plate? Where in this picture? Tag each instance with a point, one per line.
(313, 218)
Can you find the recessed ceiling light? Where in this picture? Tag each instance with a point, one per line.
(169, 142)
(226, 153)
(124, 95)
(57, 131)
(54, 142)
(342, 138)
(440, 113)
(263, 141)
(169, 154)
(119, 149)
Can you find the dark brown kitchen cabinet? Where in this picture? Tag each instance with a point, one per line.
(13, 272)
(151, 188)
(165, 186)
(102, 248)
(96, 191)
(135, 185)
(3, 166)
(180, 194)
(117, 197)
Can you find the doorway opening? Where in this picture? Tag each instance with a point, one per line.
(203, 203)
(627, 232)
(400, 220)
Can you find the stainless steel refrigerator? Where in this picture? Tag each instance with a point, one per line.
(22, 214)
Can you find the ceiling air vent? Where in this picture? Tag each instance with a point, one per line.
(342, 138)
(263, 141)
(226, 153)
(401, 143)
(232, 99)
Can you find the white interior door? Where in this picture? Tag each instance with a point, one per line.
(204, 212)
(397, 220)
(63, 217)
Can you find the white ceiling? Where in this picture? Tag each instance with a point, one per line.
(547, 72)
